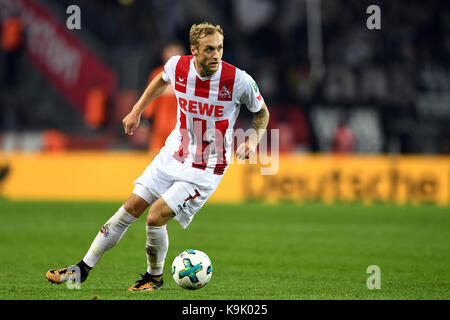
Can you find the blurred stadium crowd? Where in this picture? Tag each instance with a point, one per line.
(377, 91)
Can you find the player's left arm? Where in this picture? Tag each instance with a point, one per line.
(259, 126)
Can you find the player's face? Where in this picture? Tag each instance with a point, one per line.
(208, 53)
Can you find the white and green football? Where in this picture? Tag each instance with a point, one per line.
(192, 269)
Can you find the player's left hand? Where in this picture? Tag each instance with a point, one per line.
(246, 149)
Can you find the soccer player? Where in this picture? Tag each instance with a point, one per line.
(189, 167)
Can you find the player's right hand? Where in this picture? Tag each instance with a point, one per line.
(246, 149)
(131, 122)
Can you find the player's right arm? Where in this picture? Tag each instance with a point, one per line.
(153, 90)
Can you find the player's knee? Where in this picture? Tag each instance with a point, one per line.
(135, 206)
(133, 210)
(159, 214)
(155, 217)
(154, 220)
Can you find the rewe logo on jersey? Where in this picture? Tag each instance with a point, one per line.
(197, 107)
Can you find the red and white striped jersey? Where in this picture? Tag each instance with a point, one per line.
(199, 148)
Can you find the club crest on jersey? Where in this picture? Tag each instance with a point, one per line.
(224, 93)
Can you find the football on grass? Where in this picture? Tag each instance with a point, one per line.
(192, 269)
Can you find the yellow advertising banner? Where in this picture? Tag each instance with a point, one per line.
(359, 178)
(109, 176)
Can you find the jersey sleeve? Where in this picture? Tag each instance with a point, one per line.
(251, 96)
(169, 69)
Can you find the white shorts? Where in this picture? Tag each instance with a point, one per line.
(184, 198)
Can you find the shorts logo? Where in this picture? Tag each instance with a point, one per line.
(192, 197)
(184, 205)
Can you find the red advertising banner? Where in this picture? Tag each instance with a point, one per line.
(66, 62)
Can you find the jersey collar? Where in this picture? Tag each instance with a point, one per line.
(213, 76)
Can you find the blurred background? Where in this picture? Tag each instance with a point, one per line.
(331, 84)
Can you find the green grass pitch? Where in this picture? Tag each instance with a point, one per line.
(262, 252)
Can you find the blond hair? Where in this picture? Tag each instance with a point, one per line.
(201, 30)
